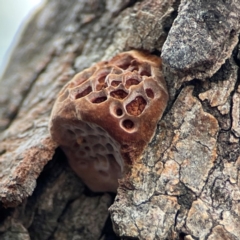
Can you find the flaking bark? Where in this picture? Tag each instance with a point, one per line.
(186, 185)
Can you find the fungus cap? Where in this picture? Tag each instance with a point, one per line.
(105, 116)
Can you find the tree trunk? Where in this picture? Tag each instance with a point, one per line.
(186, 184)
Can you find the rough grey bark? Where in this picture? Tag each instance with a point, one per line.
(186, 185)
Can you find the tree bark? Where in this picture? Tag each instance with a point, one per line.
(186, 184)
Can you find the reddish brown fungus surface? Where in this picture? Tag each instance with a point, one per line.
(149, 93)
(83, 93)
(99, 100)
(136, 106)
(103, 109)
(119, 94)
(131, 82)
(119, 112)
(128, 124)
(115, 83)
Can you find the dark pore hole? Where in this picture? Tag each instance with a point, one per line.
(149, 93)
(131, 82)
(102, 79)
(134, 65)
(124, 66)
(111, 157)
(103, 173)
(109, 147)
(119, 112)
(124, 62)
(99, 99)
(83, 93)
(115, 83)
(136, 106)
(128, 124)
(145, 73)
(70, 132)
(119, 94)
(101, 86)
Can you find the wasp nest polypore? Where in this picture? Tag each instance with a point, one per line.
(105, 116)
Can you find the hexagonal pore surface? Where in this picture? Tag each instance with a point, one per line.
(105, 116)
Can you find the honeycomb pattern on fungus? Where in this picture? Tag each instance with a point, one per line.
(105, 116)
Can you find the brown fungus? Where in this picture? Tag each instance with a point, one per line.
(107, 114)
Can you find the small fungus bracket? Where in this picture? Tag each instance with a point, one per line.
(105, 116)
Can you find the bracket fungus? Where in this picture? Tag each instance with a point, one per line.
(105, 116)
